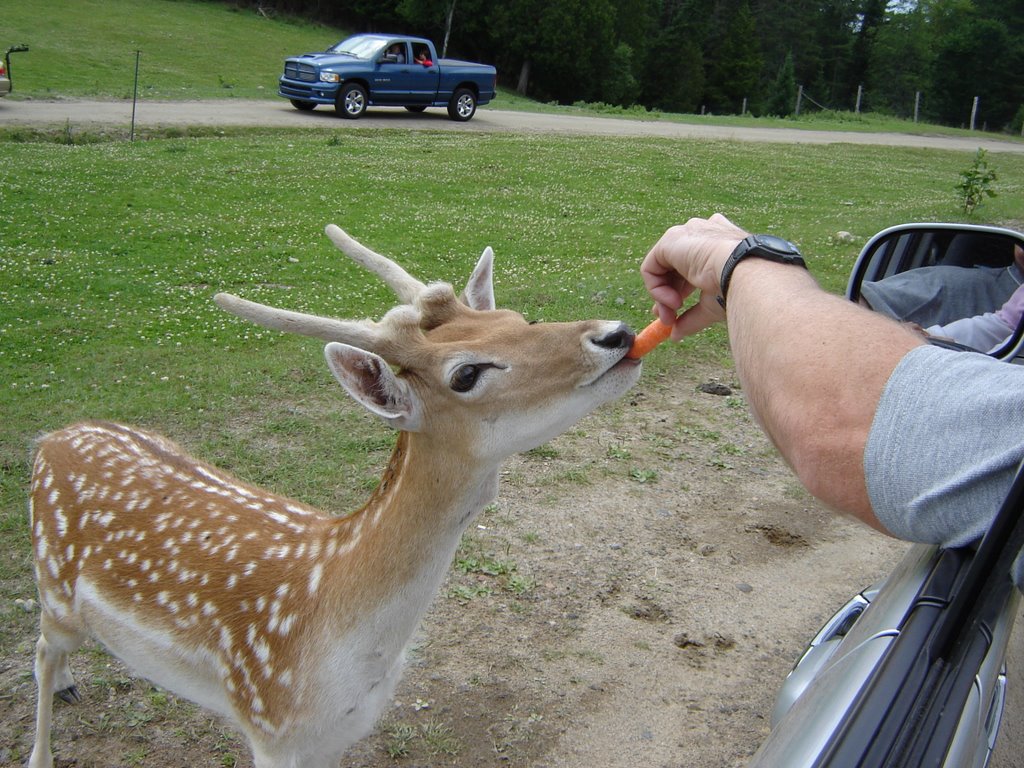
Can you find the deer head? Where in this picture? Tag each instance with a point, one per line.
(514, 385)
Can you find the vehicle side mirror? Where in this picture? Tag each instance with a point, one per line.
(909, 246)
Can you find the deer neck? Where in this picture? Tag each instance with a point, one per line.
(399, 545)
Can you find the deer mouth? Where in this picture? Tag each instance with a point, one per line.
(624, 365)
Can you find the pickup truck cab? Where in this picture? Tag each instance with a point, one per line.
(386, 70)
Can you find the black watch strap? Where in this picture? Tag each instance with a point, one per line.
(764, 247)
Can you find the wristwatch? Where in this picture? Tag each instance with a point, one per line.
(763, 247)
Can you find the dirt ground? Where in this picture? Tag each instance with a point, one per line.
(634, 598)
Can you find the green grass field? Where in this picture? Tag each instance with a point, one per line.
(187, 50)
(111, 251)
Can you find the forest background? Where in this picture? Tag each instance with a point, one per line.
(724, 56)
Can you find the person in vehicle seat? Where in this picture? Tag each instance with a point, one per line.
(941, 294)
(397, 50)
(986, 331)
(851, 398)
(423, 57)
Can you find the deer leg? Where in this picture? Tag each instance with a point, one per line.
(53, 675)
(269, 759)
(47, 661)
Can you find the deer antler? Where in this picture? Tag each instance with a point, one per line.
(364, 334)
(359, 333)
(405, 286)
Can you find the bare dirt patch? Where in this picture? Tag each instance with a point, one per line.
(634, 598)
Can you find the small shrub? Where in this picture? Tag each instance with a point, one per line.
(975, 182)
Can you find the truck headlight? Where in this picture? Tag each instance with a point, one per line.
(329, 77)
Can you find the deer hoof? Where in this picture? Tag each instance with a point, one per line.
(70, 695)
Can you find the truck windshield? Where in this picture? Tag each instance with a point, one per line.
(359, 47)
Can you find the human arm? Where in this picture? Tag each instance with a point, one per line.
(981, 332)
(812, 364)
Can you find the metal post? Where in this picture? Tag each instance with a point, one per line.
(7, 61)
(135, 96)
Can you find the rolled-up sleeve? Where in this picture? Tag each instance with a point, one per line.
(944, 445)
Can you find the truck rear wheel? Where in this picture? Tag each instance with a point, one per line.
(351, 101)
(463, 105)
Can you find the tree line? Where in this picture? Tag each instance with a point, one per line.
(923, 58)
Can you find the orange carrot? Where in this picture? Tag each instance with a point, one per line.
(648, 339)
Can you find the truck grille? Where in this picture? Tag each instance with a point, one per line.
(295, 70)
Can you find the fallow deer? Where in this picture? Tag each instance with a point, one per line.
(289, 622)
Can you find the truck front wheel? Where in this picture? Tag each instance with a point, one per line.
(463, 105)
(351, 101)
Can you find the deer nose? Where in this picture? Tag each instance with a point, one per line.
(619, 338)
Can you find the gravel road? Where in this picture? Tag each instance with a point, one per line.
(232, 112)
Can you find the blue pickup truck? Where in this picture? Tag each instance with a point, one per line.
(386, 70)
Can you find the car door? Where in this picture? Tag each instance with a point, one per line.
(403, 81)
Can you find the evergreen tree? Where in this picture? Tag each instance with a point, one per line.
(735, 63)
(900, 62)
(674, 76)
(782, 94)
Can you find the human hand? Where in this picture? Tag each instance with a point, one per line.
(690, 257)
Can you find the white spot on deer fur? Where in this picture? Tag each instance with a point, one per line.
(249, 568)
(262, 651)
(226, 641)
(286, 625)
(61, 519)
(315, 574)
(232, 581)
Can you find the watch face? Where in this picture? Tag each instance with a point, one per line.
(776, 244)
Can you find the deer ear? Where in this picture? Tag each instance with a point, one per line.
(479, 292)
(371, 382)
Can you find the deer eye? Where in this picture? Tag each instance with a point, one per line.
(465, 377)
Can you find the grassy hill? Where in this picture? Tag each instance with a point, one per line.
(189, 50)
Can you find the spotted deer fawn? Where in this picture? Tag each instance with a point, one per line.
(289, 622)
